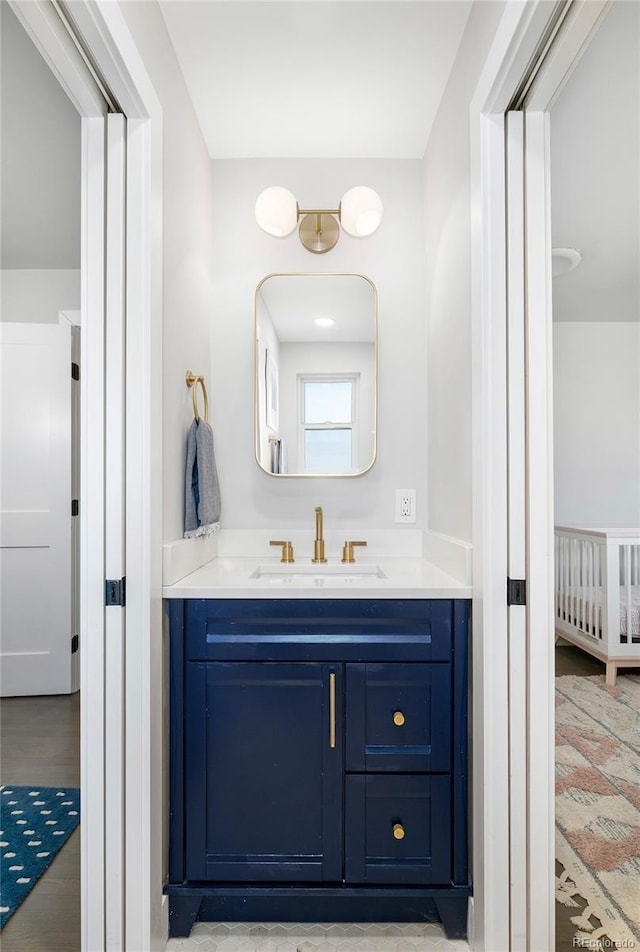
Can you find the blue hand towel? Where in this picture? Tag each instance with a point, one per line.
(202, 489)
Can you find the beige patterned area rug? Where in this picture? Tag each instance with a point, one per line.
(598, 807)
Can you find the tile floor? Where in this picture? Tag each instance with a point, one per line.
(316, 937)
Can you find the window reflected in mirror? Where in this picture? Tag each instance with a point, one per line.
(315, 374)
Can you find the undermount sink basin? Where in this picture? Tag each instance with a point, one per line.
(307, 572)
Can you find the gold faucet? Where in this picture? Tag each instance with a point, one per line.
(318, 545)
(287, 549)
(347, 551)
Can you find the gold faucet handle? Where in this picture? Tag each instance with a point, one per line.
(287, 550)
(347, 551)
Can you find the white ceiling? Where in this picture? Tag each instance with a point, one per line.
(595, 175)
(331, 79)
(295, 301)
(40, 158)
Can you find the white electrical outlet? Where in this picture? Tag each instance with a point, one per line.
(405, 505)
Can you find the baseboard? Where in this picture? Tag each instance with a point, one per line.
(471, 924)
(160, 934)
(183, 556)
(451, 555)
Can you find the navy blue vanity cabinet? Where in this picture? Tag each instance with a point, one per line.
(318, 761)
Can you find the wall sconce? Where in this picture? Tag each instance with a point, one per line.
(359, 213)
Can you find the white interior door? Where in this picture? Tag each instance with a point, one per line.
(36, 522)
(539, 533)
(102, 535)
(516, 504)
(530, 552)
(115, 529)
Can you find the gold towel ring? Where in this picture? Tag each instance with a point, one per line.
(192, 380)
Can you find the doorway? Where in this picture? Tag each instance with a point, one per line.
(595, 229)
(105, 59)
(530, 78)
(40, 260)
(40, 463)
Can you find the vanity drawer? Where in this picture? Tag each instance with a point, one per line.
(398, 829)
(398, 717)
(318, 629)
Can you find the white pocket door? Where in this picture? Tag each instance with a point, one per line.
(36, 522)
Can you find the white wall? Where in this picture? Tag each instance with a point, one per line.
(40, 184)
(188, 212)
(36, 296)
(595, 180)
(40, 158)
(597, 423)
(394, 259)
(448, 231)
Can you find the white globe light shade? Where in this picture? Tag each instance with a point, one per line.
(277, 211)
(360, 211)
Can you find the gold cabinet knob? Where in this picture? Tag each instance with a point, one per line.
(398, 831)
(398, 718)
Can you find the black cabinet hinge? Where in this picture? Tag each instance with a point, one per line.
(115, 590)
(75, 371)
(75, 507)
(516, 591)
(74, 644)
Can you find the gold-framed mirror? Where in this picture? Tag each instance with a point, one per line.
(316, 374)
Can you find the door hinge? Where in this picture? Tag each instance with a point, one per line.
(75, 507)
(74, 644)
(115, 590)
(75, 371)
(516, 591)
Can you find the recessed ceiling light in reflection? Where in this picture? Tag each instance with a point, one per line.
(324, 321)
(564, 260)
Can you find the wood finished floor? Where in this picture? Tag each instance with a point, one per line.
(40, 744)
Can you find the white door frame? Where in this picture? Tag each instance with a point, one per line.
(513, 775)
(113, 51)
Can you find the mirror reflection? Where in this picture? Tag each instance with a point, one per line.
(315, 374)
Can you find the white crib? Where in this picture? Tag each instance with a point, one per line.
(597, 603)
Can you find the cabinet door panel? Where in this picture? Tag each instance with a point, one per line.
(263, 784)
(418, 696)
(420, 806)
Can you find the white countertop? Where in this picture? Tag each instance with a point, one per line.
(224, 577)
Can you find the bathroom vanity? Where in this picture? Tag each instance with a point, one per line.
(318, 756)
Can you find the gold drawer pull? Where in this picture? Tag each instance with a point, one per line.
(398, 718)
(398, 831)
(332, 710)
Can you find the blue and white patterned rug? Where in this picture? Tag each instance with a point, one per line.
(34, 823)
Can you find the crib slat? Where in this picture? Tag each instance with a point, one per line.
(599, 584)
(591, 589)
(627, 565)
(579, 556)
